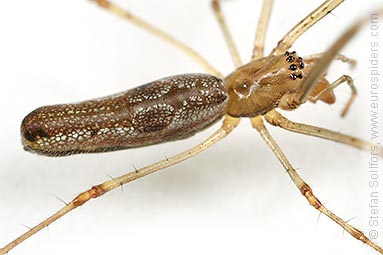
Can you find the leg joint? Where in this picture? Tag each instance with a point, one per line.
(84, 197)
(311, 198)
(275, 118)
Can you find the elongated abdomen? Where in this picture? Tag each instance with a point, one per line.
(169, 109)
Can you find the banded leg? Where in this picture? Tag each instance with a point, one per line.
(340, 80)
(305, 189)
(276, 119)
(158, 33)
(226, 33)
(259, 41)
(96, 191)
(288, 40)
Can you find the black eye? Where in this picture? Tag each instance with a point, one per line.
(301, 65)
(293, 76)
(287, 53)
(290, 59)
(300, 76)
(293, 67)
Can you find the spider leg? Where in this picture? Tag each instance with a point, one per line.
(226, 33)
(259, 41)
(340, 57)
(304, 188)
(339, 81)
(96, 191)
(276, 119)
(321, 66)
(288, 40)
(115, 9)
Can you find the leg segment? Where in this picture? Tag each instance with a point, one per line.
(158, 33)
(350, 82)
(259, 41)
(96, 191)
(305, 188)
(287, 41)
(276, 119)
(226, 33)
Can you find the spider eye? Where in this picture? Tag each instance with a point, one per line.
(293, 67)
(290, 59)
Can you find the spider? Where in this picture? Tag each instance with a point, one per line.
(211, 165)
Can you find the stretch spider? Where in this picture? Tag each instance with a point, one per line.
(175, 190)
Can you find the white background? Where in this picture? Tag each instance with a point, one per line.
(232, 199)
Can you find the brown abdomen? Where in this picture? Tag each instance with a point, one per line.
(169, 109)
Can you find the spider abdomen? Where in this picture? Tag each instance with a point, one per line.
(169, 109)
